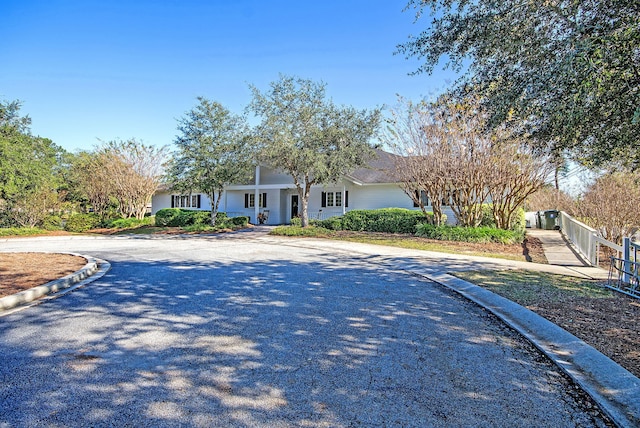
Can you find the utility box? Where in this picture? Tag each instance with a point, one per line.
(548, 220)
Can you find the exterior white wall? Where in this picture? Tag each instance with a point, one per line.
(235, 205)
(378, 196)
(159, 201)
(279, 201)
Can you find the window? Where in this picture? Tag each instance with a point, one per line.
(185, 201)
(334, 199)
(423, 198)
(250, 200)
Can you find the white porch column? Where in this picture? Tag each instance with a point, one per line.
(256, 204)
(344, 200)
(224, 200)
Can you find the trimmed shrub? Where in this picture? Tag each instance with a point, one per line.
(331, 223)
(176, 217)
(240, 221)
(296, 221)
(203, 228)
(167, 217)
(203, 218)
(469, 234)
(128, 223)
(82, 222)
(197, 220)
(389, 220)
(518, 223)
(52, 222)
(312, 231)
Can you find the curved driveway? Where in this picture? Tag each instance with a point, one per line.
(247, 330)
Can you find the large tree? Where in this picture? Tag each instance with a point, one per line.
(134, 172)
(309, 137)
(569, 71)
(120, 175)
(610, 205)
(446, 157)
(28, 165)
(423, 162)
(213, 151)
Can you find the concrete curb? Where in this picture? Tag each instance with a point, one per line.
(28, 296)
(612, 387)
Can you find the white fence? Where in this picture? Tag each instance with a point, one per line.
(585, 238)
(624, 275)
(624, 271)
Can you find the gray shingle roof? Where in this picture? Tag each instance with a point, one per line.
(380, 170)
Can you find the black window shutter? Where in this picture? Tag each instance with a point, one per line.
(173, 201)
(246, 200)
(346, 198)
(324, 199)
(264, 200)
(415, 203)
(199, 199)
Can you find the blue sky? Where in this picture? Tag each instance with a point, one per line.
(88, 70)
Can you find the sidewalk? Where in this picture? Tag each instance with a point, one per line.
(559, 252)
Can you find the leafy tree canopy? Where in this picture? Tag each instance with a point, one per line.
(308, 136)
(567, 72)
(27, 162)
(213, 151)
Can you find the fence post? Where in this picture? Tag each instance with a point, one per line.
(626, 256)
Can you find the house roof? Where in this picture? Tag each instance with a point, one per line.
(379, 170)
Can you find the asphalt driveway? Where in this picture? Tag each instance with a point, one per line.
(245, 330)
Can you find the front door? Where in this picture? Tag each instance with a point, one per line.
(294, 206)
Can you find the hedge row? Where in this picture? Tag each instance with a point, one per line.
(82, 222)
(483, 234)
(176, 217)
(388, 220)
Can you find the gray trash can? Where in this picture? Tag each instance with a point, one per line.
(549, 220)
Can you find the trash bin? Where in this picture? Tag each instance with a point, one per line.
(549, 220)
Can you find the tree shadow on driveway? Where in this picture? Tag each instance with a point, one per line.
(332, 342)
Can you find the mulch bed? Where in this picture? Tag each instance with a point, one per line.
(21, 271)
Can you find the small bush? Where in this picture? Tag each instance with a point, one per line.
(296, 221)
(240, 221)
(518, 223)
(82, 222)
(311, 231)
(129, 223)
(52, 222)
(469, 234)
(167, 217)
(176, 217)
(203, 217)
(204, 227)
(331, 223)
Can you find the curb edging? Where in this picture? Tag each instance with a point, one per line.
(612, 387)
(28, 296)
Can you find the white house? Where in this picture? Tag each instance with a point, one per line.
(272, 195)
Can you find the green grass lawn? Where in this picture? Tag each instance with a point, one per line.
(529, 288)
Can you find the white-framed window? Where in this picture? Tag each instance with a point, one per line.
(185, 201)
(334, 199)
(250, 200)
